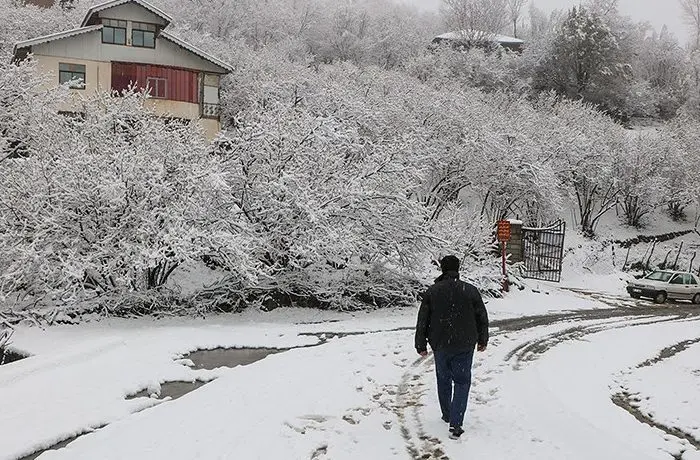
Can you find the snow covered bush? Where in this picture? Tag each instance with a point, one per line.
(110, 200)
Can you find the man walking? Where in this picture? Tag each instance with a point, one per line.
(453, 319)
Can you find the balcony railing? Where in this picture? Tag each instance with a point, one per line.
(210, 110)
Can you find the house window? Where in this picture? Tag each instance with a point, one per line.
(157, 87)
(143, 35)
(72, 74)
(210, 96)
(114, 31)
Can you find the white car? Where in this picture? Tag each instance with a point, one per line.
(666, 284)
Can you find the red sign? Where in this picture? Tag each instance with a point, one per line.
(503, 230)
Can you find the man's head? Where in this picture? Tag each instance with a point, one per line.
(449, 264)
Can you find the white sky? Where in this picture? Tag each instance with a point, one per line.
(657, 12)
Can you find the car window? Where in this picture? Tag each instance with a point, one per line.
(691, 279)
(678, 279)
(660, 276)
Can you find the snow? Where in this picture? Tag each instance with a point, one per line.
(596, 265)
(356, 396)
(679, 377)
(555, 407)
(78, 379)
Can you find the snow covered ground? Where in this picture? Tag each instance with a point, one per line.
(676, 370)
(542, 390)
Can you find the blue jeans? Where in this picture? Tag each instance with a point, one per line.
(454, 378)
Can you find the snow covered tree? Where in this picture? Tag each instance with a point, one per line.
(642, 184)
(659, 67)
(330, 210)
(515, 9)
(584, 61)
(587, 146)
(691, 15)
(476, 16)
(680, 165)
(110, 200)
(21, 22)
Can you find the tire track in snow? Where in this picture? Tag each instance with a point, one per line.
(624, 313)
(532, 350)
(626, 401)
(629, 402)
(670, 352)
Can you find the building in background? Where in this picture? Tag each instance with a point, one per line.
(466, 39)
(123, 43)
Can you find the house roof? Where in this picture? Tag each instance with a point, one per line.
(475, 34)
(110, 4)
(195, 50)
(56, 36)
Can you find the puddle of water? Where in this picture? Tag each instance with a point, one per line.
(8, 356)
(56, 446)
(173, 390)
(228, 357)
(209, 360)
(202, 359)
(59, 445)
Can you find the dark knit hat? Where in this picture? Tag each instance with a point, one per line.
(449, 264)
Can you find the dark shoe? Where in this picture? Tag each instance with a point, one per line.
(446, 419)
(456, 432)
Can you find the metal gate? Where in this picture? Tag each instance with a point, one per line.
(543, 251)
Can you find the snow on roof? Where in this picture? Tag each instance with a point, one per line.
(56, 36)
(112, 3)
(197, 51)
(475, 34)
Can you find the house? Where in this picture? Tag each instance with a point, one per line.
(465, 39)
(125, 42)
(40, 3)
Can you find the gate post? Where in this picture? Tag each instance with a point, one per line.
(515, 243)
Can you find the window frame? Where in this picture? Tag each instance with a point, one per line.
(162, 82)
(676, 277)
(114, 25)
(143, 28)
(73, 70)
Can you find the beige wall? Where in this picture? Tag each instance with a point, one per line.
(185, 110)
(177, 109)
(98, 75)
(211, 127)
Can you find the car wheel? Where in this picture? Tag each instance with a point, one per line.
(660, 297)
(696, 299)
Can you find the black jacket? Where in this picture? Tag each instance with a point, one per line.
(452, 316)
